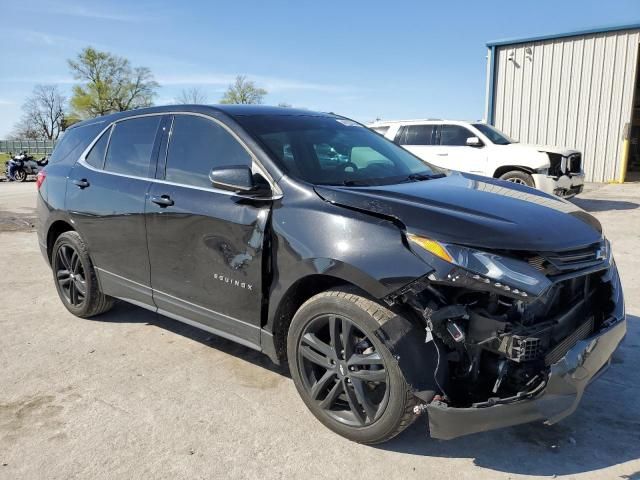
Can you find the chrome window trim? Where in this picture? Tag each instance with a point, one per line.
(255, 163)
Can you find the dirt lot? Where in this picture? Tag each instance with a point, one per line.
(135, 395)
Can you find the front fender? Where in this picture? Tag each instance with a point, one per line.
(313, 237)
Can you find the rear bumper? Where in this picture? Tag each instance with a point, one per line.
(567, 381)
(566, 186)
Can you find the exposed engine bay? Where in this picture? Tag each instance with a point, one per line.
(493, 348)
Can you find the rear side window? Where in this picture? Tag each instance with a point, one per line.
(73, 143)
(131, 146)
(95, 157)
(454, 135)
(416, 135)
(197, 145)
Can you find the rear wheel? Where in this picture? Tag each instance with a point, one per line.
(345, 375)
(519, 177)
(75, 277)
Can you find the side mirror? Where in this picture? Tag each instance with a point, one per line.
(239, 179)
(474, 142)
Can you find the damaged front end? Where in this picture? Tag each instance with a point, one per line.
(508, 337)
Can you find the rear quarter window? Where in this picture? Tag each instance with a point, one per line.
(74, 142)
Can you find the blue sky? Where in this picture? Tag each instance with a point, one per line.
(363, 59)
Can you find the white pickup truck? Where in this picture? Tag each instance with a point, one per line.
(483, 149)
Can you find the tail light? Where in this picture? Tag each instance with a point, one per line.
(42, 174)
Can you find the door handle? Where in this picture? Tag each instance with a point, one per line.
(81, 184)
(442, 154)
(163, 200)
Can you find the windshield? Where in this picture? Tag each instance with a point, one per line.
(325, 150)
(493, 134)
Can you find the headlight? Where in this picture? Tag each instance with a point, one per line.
(488, 271)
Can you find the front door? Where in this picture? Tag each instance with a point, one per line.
(453, 153)
(205, 245)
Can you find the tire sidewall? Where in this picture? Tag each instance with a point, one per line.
(394, 410)
(74, 240)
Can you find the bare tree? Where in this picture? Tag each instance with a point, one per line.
(243, 91)
(193, 95)
(43, 114)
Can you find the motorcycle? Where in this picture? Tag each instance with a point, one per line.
(25, 165)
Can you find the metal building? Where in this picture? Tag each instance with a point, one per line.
(578, 89)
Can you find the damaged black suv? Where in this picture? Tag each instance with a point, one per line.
(391, 288)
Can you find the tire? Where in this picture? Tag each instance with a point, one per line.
(520, 177)
(20, 175)
(312, 324)
(70, 255)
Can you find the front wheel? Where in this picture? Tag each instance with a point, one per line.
(344, 373)
(20, 175)
(519, 177)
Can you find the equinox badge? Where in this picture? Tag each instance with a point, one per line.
(232, 282)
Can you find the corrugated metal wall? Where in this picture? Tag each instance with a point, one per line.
(575, 92)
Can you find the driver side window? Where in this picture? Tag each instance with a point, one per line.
(454, 135)
(197, 145)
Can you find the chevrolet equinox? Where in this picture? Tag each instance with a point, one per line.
(392, 288)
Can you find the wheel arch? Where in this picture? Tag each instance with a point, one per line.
(291, 301)
(56, 229)
(508, 168)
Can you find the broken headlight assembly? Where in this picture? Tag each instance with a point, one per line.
(476, 269)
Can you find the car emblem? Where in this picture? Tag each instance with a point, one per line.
(341, 369)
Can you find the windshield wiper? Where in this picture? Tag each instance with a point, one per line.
(355, 183)
(418, 177)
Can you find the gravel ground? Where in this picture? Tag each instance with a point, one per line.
(132, 394)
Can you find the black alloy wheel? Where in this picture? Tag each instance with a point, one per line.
(70, 275)
(342, 371)
(75, 277)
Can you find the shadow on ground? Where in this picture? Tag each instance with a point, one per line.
(593, 205)
(127, 313)
(604, 431)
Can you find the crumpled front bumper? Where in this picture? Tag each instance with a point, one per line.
(566, 186)
(567, 380)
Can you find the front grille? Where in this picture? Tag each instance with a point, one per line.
(575, 259)
(574, 163)
(555, 164)
(559, 351)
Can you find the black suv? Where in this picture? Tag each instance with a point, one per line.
(392, 288)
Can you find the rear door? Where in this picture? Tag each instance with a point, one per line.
(205, 245)
(453, 152)
(419, 140)
(106, 198)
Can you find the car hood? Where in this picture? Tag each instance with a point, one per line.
(476, 211)
(519, 147)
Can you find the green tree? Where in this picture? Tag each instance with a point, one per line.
(109, 84)
(243, 91)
